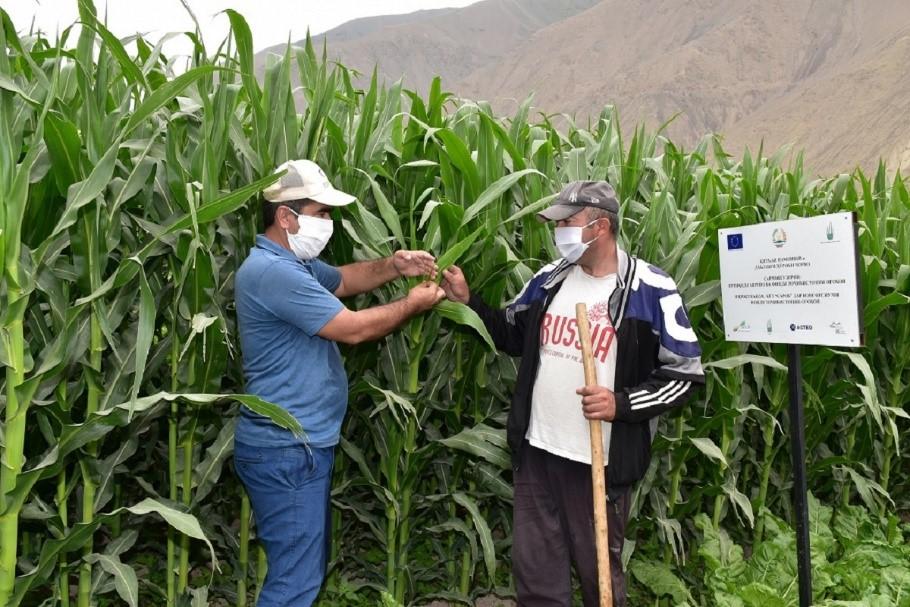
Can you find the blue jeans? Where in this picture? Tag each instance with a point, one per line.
(289, 489)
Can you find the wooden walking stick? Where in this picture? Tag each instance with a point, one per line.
(598, 473)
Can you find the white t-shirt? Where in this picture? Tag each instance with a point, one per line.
(558, 424)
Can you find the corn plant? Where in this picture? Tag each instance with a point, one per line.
(86, 236)
(128, 193)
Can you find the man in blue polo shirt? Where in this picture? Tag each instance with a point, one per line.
(290, 320)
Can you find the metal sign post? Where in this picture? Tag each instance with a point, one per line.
(798, 448)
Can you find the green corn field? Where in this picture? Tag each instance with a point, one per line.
(128, 199)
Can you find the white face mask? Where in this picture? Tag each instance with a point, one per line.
(311, 237)
(569, 243)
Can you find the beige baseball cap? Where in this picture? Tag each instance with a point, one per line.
(305, 180)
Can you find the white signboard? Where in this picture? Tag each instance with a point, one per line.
(792, 282)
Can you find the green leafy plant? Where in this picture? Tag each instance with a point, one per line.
(127, 202)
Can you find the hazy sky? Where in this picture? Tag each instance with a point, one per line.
(270, 20)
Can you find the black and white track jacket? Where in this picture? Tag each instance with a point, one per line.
(658, 361)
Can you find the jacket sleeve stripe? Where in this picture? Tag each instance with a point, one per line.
(644, 395)
(667, 398)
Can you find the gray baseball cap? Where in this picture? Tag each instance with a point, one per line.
(578, 195)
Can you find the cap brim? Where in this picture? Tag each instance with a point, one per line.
(558, 212)
(333, 198)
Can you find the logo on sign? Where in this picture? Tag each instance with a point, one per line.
(742, 327)
(829, 234)
(796, 327)
(769, 327)
(734, 241)
(779, 237)
(838, 328)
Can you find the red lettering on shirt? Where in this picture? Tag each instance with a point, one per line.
(571, 328)
(545, 328)
(558, 325)
(559, 330)
(604, 341)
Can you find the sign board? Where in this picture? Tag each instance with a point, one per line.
(792, 282)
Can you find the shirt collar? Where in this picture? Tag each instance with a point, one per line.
(264, 242)
(622, 267)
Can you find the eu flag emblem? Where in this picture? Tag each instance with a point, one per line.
(734, 241)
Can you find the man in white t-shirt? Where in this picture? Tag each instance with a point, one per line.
(648, 361)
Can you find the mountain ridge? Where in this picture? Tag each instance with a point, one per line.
(827, 76)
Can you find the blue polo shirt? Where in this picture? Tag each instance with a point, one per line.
(282, 303)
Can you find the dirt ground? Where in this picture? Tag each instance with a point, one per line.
(486, 601)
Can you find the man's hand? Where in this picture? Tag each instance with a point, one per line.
(425, 295)
(414, 263)
(455, 285)
(598, 402)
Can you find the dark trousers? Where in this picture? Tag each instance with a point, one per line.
(553, 530)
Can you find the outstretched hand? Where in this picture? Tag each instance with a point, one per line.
(414, 263)
(425, 295)
(455, 285)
